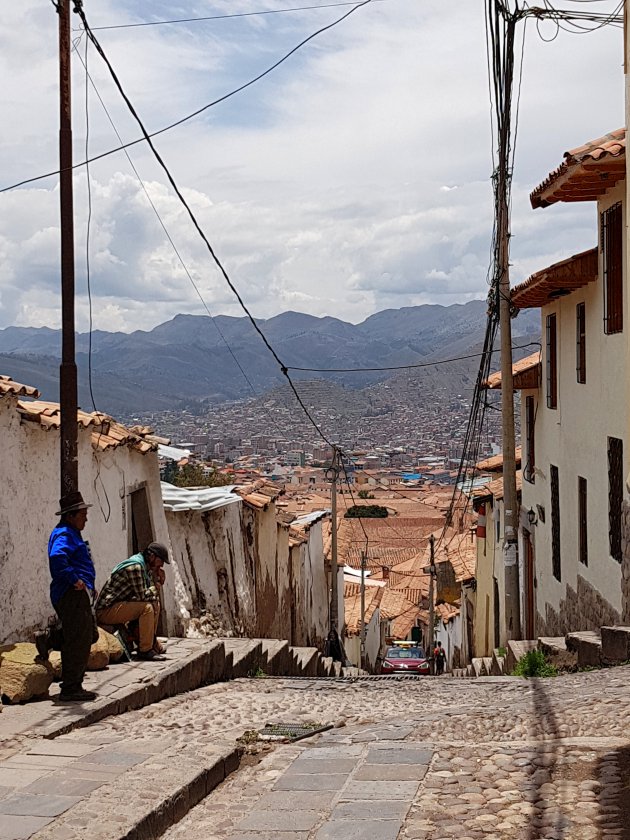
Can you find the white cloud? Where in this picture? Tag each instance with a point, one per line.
(353, 178)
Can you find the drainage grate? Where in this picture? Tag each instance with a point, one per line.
(291, 731)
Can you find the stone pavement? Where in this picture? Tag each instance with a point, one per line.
(432, 759)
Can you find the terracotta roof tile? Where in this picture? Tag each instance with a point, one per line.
(107, 433)
(8, 386)
(259, 494)
(526, 374)
(586, 172)
(557, 280)
(495, 463)
(352, 609)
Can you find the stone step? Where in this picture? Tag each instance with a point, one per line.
(470, 671)
(305, 661)
(247, 656)
(325, 666)
(487, 665)
(615, 645)
(498, 664)
(557, 653)
(588, 646)
(277, 655)
(477, 666)
(516, 650)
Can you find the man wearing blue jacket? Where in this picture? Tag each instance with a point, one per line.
(71, 591)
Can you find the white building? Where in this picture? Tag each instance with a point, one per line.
(575, 410)
(118, 474)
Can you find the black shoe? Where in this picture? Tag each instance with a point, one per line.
(42, 643)
(146, 655)
(80, 694)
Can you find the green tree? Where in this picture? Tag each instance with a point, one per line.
(194, 475)
(367, 512)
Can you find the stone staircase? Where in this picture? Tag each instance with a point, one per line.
(582, 649)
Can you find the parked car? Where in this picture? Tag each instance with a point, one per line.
(405, 660)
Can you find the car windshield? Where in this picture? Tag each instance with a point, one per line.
(405, 653)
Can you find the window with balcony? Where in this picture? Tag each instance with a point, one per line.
(552, 361)
(555, 524)
(580, 342)
(612, 261)
(615, 495)
(582, 520)
(530, 423)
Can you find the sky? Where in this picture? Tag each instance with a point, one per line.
(355, 177)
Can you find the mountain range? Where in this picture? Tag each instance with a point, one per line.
(191, 359)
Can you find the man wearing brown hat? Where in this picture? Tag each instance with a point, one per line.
(71, 589)
(131, 594)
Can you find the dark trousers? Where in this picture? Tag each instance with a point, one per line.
(75, 612)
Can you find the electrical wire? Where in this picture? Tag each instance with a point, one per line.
(170, 239)
(147, 136)
(193, 218)
(223, 17)
(404, 367)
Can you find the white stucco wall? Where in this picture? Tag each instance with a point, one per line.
(574, 437)
(352, 644)
(29, 477)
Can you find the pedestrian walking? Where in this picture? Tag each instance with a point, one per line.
(439, 656)
(72, 589)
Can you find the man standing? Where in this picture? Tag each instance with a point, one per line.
(72, 585)
(439, 655)
(131, 593)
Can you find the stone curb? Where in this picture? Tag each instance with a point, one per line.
(177, 804)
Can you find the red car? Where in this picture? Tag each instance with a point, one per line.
(405, 660)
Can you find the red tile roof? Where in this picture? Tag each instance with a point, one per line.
(106, 432)
(557, 280)
(525, 373)
(586, 172)
(8, 386)
(495, 464)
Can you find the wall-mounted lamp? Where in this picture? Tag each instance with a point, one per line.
(531, 517)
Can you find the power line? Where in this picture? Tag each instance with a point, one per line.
(193, 218)
(224, 17)
(146, 136)
(168, 236)
(405, 367)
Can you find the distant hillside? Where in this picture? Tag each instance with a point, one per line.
(186, 360)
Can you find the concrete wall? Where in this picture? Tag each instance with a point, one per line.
(573, 437)
(29, 477)
(235, 563)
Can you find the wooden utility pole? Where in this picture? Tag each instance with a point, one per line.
(502, 192)
(432, 574)
(333, 475)
(68, 370)
(363, 565)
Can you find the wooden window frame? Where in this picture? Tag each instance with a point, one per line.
(615, 496)
(583, 520)
(552, 360)
(530, 442)
(580, 342)
(612, 264)
(556, 564)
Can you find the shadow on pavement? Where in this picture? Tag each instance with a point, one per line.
(613, 771)
(547, 817)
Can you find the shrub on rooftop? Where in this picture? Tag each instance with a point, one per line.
(366, 511)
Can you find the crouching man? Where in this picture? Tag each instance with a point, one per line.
(131, 594)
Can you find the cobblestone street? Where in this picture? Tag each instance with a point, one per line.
(430, 759)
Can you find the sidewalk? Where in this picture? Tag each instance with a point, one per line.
(123, 686)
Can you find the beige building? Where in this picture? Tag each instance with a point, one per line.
(575, 410)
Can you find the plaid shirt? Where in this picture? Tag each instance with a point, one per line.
(126, 585)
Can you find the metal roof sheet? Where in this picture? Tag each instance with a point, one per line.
(197, 498)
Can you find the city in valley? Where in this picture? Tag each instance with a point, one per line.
(315, 479)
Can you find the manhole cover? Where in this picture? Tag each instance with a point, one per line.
(291, 731)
